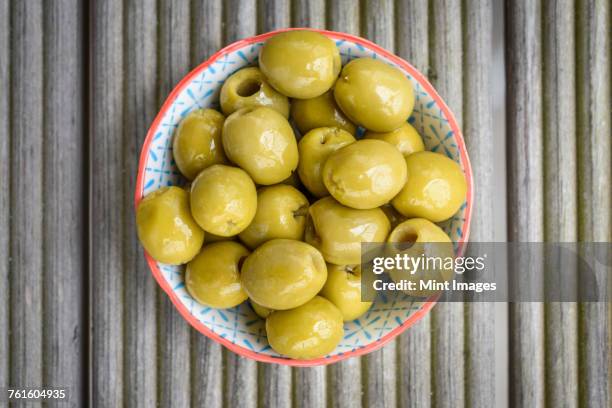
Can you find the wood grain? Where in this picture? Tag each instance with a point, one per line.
(414, 345)
(273, 14)
(560, 194)
(5, 193)
(447, 318)
(106, 226)
(27, 154)
(63, 182)
(594, 191)
(525, 192)
(477, 131)
(140, 107)
(308, 13)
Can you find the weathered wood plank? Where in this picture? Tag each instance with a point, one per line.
(310, 388)
(240, 19)
(207, 356)
(308, 13)
(344, 377)
(447, 318)
(140, 106)
(477, 131)
(414, 345)
(379, 367)
(525, 191)
(560, 195)
(63, 191)
(27, 160)
(106, 226)
(174, 332)
(274, 14)
(5, 193)
(594, 191)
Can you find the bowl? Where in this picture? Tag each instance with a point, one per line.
(239, 329)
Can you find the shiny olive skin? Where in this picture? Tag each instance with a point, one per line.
(374, 95)
(260, 311)
(283, 273)
(314, 149)
(343, 289)
(338, 231)
(321, 111)
(300, 64)
(306, 332)
(166, 228)
(223, 200)
(405, 138)
(197, 142)
(435, 187)
(365, 174)
(213, 276)
(418, 236)
(262, 142)
(248, 88)
(281, 213)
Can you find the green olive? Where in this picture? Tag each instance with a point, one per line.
(374, 95)
(314, 148)
(260, 311)
(393, 216)
(435, 187)
(423, 239)
(365, 174)
(261, 141)
(338, 231)
(293, 180)
(306, 332)
(223, 200)
(281, 213)
(166, 228)
(213, 276)
(300, 64)
(283, 273)
(405, 138)
(247, 88)
(209, 238)
(197, 142)
(343, 289)
(321, 111)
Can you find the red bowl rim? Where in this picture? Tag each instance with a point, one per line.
(416, 316)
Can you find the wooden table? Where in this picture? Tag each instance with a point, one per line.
(80, 84)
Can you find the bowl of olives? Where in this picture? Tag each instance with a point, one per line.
(266, 169)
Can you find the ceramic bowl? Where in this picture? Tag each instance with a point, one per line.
(239, 329)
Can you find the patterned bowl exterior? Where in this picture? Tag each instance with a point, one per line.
(239, 329)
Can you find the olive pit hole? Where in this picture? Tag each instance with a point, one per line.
(249, 87)
(406, 238)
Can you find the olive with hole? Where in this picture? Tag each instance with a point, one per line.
(314, 149)
(365, 174)
(248, 88)
(321, 111)
(435, 187)
(197, 142)
(343, 289)
(374, 95)
(166, 228)
(283, 273)
(338, 231)
(300, 64)
(223, 200)
(213, 276)
(419, 238)
(262, 142)
(405, 138)
(281, 213)
(309, 331)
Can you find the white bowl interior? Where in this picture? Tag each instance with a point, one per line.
(240, 325)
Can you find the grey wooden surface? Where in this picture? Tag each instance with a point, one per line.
(79, 85)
